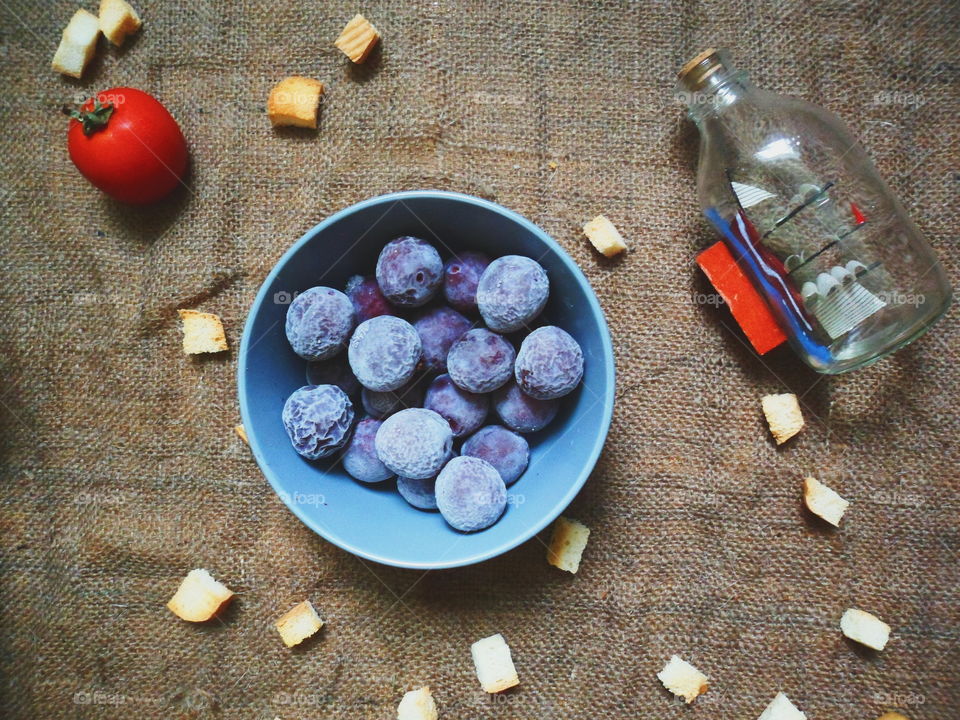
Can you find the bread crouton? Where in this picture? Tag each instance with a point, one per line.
(494, 664)
(298, 623)
(294, 101)
(417, 705)
(78, 44)
(865, 628)
(358, 38)
(783, 415)
(823, 502)
(202, 332)
(780, 708)
(683, 679)
(117, 20)
(567, 542)
(604, 236)
(199, 597)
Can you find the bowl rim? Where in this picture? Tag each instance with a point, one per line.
(607, 398)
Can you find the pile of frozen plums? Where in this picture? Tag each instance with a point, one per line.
(427, 373)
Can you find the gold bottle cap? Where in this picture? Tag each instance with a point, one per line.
(694, 74)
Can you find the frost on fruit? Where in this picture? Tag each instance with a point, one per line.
(480, 361)
(419, 493)
(318, 324)
(318, 420)
(471, 495)
(414, 443)
(549, 364)
(439, 329)
(384, 352)
(512, 292)
(465, 411)
(507, 451)
(409, 271)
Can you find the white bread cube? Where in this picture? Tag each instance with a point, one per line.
(417, 705)
(294, 101)
(199, 597)
(604, 236)
(202, 332)
(494, 664)
(78, 44)
(823, 502)
(117, 20)
(683, 679)
(892, 716)
(241, 431)
(298, 623)
(357, 39)
(865, 628)
(567, 542)
(780, 708)
(783, 415)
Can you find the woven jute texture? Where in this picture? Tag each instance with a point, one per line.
(121, 471)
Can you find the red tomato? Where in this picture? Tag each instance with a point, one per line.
(134, 152)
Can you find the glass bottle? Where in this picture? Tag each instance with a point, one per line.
(845, 272)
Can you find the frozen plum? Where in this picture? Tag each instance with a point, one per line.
(461, 275)
(512, 292)
(368, 301)
(383, 404)
(465, 411)
(480, 361)
(549, 364)
(521, 412)
(471, 495)
(414, 443)
(419, 493)
(360, 458)
(318, 420)
(409, 271)
(508, 452)
(319, 321)
(384, 352)
(335, 371)
(439, 328)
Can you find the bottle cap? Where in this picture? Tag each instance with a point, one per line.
(695, 73)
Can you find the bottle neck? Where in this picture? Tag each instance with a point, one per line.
(717, 97)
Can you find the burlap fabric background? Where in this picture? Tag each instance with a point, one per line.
(121, 470)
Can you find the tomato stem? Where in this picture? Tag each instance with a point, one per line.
(91, 120)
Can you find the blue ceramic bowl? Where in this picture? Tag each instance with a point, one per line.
(373, 521)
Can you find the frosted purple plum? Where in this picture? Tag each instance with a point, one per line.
(409, 271)
(414, 443)
(512, 292)
(465, 411)
(461, 275)
(368, 301)
(471, 495)
(439, 328)
(521, 412)
(508, 452)
(384, 352)
(360, 458)
(480, 361)
(319, 321)
(318, 420)
(549, 364)
(419, 493)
